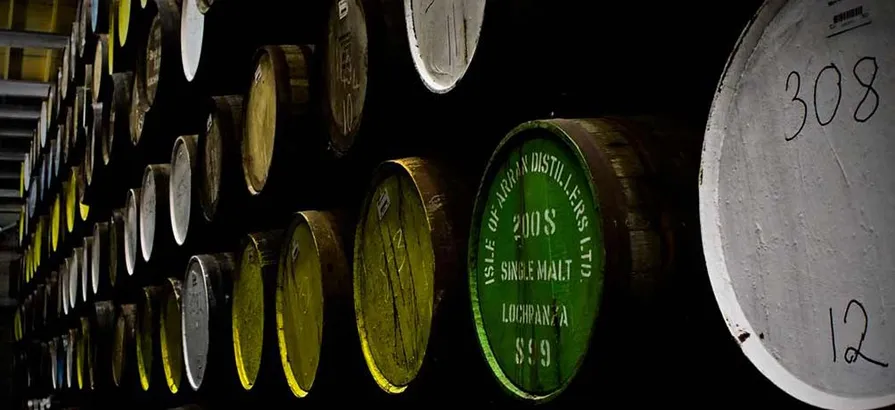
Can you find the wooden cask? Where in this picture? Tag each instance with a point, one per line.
(84, 361)
(93, 159)
(147, 339)
(155, 221)
(71, 373)
(315, 326)
(74, 278)
(64, 284)
(85, 270)
(171, 335)
(118, 140)
(796, 134)
(103, 336)
(53, 352)
(218, 60)
(132, 246)
(278, 137)
(120, 280)
(99, 17)
(183, 172)
(85, 32)
(102, 78)
(222, 192)
(124, 361)
(406, 258)
(100, 266)
(65, 78)
(206, 310)
(253, 314)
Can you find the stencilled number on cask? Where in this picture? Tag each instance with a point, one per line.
(827, 93)
(346, 76)
(532, 352)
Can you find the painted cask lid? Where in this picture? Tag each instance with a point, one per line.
(312, 265)
(153, 207)
(147, 333)
(170, 334)
(86, 268)
(123, 342)
(204, 297)
(443, 36)
(124, 18)
(536, 260)
(346, 72)
(796, 193)
(132, 229)
(74, 276)
(153, 59)
(192, 30)
(394, 273)
(180, 201)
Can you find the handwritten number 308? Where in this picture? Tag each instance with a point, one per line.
(871, 96)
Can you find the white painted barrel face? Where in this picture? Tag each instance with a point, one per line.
(148, 214)
(443, 35)
(86, 267)
(131, 230)
(95, 257)
(64, 285)
(192, 28)
(797, 192)
(195, 331)
(180, 187)
(74, 277)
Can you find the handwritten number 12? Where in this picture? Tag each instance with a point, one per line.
(852, 353)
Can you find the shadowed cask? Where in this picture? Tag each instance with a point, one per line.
(315, 327)
(124, 361)
(222, 192)
(254, 314)
(278, 122)
(207, 335)
(171, 335)
(102, 336)
(102, 78)
(100, 264)
(155, 221)
(119, 278)
(85, 360)
(132, 246)
(406, 257)
(795, 197)
(118, 140)
(148, 344)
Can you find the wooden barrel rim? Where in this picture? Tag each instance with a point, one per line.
(170, 334)
(184, 166)
(132, 229)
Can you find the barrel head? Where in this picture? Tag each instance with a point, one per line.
(248, 313)
(196, 335)
(184, 165)
(192, 30)
(170, 334)
(346, 72)
(299, 301)
(394, 277)
(132, 229)
(443, 36)
(261, 123)
(796, 191)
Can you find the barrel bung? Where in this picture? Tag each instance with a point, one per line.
(795, 195)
